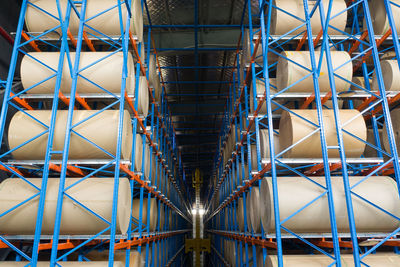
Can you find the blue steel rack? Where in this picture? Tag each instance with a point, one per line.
(157, 129)
(234, 182)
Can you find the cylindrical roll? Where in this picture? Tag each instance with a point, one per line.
(289, 73)
(293, 128)
(240, 214)
(135, 258)
(380, 190)
(154, 79)
(62, 263)
(144, 98)
(254, 207)
(260, 91)
(107, 23)
(153, 212)
(360, 81)
(101, 129)
(391, 76)
(264, 143)
(282, 22)
(380, 259)
(395, 117)
(138, 152)
(380, 20)
(106, 72)
(370, 151)
(248, 215)
(94, 193)
(272, 57)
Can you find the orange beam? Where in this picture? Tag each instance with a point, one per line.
(32, 43)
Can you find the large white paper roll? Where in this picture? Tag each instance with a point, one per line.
(254, 208)
(102, 16)
(94, 193)
(240, 214)
(380, 190)
(395, 118)
(380, 21)
(260, 91)
(380, 259)
(391, 76)
(101, 73)
(292, 129)
(135, 258)
(101, 68)
(289, 73)
(101, 129)
(153, 212)
(154, 78)
(282, 23)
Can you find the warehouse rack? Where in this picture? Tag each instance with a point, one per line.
(374, 104)
(156, 130)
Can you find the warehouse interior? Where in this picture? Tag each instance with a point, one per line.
(200, 133)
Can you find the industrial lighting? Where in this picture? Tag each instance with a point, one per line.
(194, 211)
(201, 211)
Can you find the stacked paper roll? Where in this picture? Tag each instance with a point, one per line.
(391, 76)
(152, 215)
(291, 73)
(292, 129)
(138, 152)
(380, 21)
(240, 214)
(102, 16)
(380, 259)
(282, 22)
(395, 117)
(380, 190)
(254, 209)
(101, 129)
(94, 193)
(260, 91)
(101, 68)
(154, 78)
(135, 258)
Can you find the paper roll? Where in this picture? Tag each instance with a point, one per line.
(154, 78)
(260, 91)
(292, 129)
(135, 258)
(248, 211)
(153, 212)
(391, 76)
(108, 22)
(380, 21)
(101, 68)
(380, 259)
(395, 118)
(272, 57)
(291, 74)
(102, 129)
(380, 190)
(94, 193)
(282, 23)
(370, 151)
(138, 152)
(254, 207)
(240, 214)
